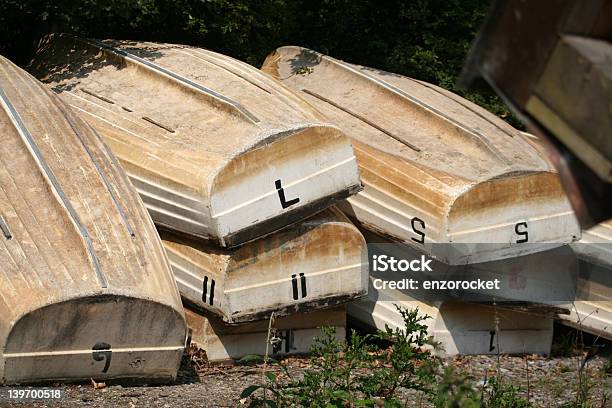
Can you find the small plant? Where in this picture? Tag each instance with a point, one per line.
(454, 391)
(356, 372)
(377, 370)
(502, 395)
(607, 367)
(565, 345)
(586, 385)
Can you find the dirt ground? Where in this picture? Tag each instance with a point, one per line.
(549, 381)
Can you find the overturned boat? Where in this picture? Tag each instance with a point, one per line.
(511, 310)
(289, 335)
(458, 327)
(215, 148)
(437, 169)
(86, 290)
(591, 310)
(318, 263)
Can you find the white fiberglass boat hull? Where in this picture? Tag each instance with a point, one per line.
(315, 264)
(436, 168)
(215, 148)
(86, 290)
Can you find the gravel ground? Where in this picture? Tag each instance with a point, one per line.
(550, 381)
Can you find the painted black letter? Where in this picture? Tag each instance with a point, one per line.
(491, 346)
(100, 352)
(420, 233)
(294, 286)
(522, 233)
(281, 196)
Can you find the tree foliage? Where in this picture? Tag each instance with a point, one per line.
(424, 39)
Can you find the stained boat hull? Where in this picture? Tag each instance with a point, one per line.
(436, 168)
(460, 328)
(591, 311)
(227, 154)
(296, 333)
(86, 290)
(316, 264)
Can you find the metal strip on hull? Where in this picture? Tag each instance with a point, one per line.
(399, 91)
(177, 77)
(55, 185)
(109, 188)
(5, 229)
(361, 118)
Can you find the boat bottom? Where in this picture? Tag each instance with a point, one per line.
(593, 317)
(286, 311)
(294, 334)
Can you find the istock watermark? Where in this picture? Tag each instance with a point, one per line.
(415, 284)
(384, 263)
(548, 274)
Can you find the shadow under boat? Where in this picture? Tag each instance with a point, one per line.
(289, 335)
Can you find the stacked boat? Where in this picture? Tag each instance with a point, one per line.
(216, 149)
(591, 310)
(142, 183)
(238, 172)
(86, 289)
(446, 178)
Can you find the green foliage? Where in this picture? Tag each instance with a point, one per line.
(564, 345)
(373, 370)
(502, 395)
(357, 372)
(607, 367)
(424, 39)
(585, 391)
(454, 391)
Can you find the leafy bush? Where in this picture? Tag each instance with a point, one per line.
(455, 391)
(607, 367)
(424, 39)
(355, 372)
(564, 345)
(375, 370)
(502, 395)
